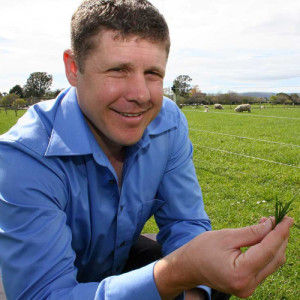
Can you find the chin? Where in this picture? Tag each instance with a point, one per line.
(129, 142)
(129, 139)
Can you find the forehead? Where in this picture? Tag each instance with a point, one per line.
(109, 42)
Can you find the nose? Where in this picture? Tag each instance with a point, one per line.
(138, 89)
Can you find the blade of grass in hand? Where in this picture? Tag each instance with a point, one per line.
(281, 210)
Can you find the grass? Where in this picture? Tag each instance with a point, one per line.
(282, 209)
(9, 119)
(243, 161)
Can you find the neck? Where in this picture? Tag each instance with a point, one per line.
(114, 152)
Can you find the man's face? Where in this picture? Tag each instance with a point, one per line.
(121, 88)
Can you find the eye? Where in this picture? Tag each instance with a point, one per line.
(117, 72)
(154, 75)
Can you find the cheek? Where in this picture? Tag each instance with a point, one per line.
(111, 90)
(111, 87)
(157, 90)
(157, 97)
(98, 95)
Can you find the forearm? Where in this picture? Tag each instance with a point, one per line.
(169, 276)
(170, 282)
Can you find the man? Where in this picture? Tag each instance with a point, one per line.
(81, 174)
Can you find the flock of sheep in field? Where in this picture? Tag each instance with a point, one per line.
(239, 108)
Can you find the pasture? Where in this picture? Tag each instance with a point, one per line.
(9, 119)
(243, 160)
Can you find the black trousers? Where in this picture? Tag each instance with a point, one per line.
(146, 250)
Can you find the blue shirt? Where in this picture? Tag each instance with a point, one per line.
(66, 227)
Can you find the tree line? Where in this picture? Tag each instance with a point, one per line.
(37, 86)
(183, 92)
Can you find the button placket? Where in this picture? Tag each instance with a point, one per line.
(111, 181)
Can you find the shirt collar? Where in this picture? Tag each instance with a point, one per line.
(164, 121)
(69, 135)
(72, 136)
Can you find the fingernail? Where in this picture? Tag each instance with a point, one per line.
(271, 223)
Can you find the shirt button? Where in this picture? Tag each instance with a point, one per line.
(112, 181)
(121, 208)
(122, 244)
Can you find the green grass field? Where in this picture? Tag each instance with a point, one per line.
(243, 160)
(9, 119)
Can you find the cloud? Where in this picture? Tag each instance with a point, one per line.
(253, 44)
(220, 44)
(34, 35)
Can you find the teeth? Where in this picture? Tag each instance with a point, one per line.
(130, 115)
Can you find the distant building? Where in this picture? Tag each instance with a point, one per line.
(195, 90)
(196, 95)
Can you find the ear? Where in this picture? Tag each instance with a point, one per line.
(71, 69)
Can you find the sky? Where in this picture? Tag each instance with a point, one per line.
(232, 45)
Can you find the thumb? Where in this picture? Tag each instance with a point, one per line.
(251, 235)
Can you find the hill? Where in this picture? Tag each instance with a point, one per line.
(258, 94)
(267, 95)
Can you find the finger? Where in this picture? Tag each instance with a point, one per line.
(273, 266)
(259, 256)
(262, 220)
(251, 235)
(256, 279)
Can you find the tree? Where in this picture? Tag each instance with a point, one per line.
(53, 94)
(17, 89)
(181, 85)
(8, 100)
(283, 98)
(273, 99)
(19, 103)
(295, 98)
(38, 84)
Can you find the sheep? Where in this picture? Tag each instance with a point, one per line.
(218, 106)
(243, 107)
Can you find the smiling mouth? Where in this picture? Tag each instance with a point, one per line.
(130, 115)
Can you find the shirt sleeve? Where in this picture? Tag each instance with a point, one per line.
(183, 216)
(36, 256)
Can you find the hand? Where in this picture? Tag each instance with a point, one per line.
(214, 259)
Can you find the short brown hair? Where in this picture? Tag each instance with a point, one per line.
(126, 17)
